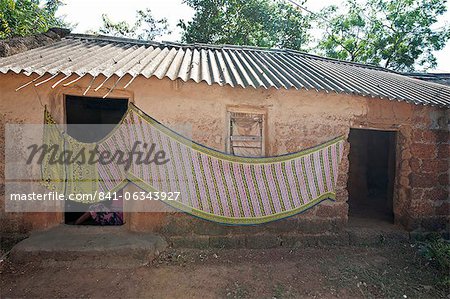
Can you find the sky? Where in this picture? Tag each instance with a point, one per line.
(87, 15)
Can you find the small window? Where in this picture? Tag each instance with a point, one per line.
(246, 134)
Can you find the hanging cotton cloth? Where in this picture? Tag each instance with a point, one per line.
(212, 185)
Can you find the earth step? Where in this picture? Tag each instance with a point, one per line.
(355, 236)
(95, 246)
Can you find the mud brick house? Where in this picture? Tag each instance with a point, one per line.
(396, 159)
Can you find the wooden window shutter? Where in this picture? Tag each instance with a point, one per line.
(246, 134)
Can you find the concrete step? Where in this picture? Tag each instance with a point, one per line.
(90, 246)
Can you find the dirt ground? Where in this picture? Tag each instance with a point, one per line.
(395, 271)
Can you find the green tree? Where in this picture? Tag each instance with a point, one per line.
(26, 17)
(146, 27)
(397, 34)
(262, 23)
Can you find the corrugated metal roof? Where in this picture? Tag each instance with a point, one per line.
(232, 65)
(440, 78)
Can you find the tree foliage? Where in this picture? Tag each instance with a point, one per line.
(263, 23)
(146, 27)
(397, 34)
(26, 17)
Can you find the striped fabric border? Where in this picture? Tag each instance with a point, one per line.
(213, 185)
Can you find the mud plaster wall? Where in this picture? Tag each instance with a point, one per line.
(295, 120)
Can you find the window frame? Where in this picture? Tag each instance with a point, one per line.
(246, 110)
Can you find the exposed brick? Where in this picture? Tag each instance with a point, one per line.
(443, 165)
(248, 229)
(417, 135)
(423, 151)
(203, 227)
(227, 241)
(417, 194)
(443, 136)
(199, 242)
(178, 225)
(300, 241)
(430, 166)
(443, 151)
(308, 214)
(404, 181)
(341, 195)
(430, 136)
(415, 164)
(322, 240)
(443, 179)
(435, 194)
(316, 226)
(405, 154)
(424, 207)
(424, 180)
(284, 225)
(443, 209)
(421, 121)
(339, 224)
(9, 224)
(339, 210)
(264, 241)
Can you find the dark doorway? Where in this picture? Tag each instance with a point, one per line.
(371, 174)
(86, 111)
(83, 111)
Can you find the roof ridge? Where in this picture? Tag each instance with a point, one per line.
(224, 47)
(420, 74)
(100, 37)
(358, 64)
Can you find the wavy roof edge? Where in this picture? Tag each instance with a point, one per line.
(244, 66)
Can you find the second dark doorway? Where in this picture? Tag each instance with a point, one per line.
(371, 174)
